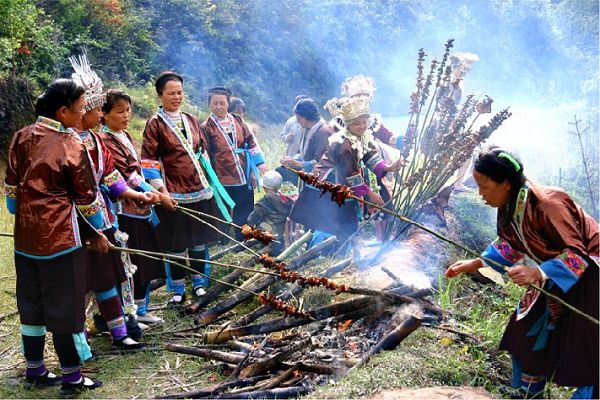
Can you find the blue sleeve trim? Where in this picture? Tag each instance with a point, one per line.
(144, 187)
(11, 205)
(492, 253)
(96, 220)
(307, 166)
(258, 158)
(151, 173)
(399, 142)
(559, 274)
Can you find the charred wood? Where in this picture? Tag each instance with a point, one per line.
(215, 390)
(392, 339)
(257, 283)
(280, 393)
(293, 291)
(270, 363)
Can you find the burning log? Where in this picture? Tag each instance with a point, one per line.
(280, 379)
(219, 288)
(280, 324)
(279, 393)
(258, 368)
(258, 283)
(392, 339)
(215, 390)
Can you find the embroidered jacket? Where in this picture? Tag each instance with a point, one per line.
(109, 181)
(343, 159)
(313, 144)
(128, 162)
(229, 155)
(48, 178)
(553, 231)
(169, 157)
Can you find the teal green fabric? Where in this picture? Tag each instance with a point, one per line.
(221, 196)
(33, 330)
(82, 346)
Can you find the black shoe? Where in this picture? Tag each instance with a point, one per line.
(133, 328)
(126, 345)
(100, 323)
(45, 380)
(156, 284)
(70, 389)
(176, 303)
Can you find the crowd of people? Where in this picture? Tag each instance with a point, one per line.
(79, 189)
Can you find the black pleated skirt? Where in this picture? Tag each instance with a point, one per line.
(178, 231)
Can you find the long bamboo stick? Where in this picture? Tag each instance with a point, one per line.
(464, 248)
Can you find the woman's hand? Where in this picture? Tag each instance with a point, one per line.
(262, 168)
(524, 275)
(396, 165)
(168, 202)
(463, 266)
(375, 198)
(147, 199)
(289, 162)
(99, 243)
(289, 137)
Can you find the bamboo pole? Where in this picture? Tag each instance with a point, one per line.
(464, 248)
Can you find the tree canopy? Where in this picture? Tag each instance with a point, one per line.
(270, 51)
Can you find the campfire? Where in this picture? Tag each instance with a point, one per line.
(287, 356)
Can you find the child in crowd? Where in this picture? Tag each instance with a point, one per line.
(271, 211)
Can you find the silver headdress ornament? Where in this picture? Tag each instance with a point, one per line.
(333, 106)
(354, 107)
(359, 85)
(86, 77)
(463, 63)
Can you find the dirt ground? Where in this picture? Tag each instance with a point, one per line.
(433, 393)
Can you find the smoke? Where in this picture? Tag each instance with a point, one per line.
(538, 57)
(414, 262)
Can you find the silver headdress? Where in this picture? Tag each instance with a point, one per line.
(462, 63)
(354, 107)
(86, 77)
(359, 85)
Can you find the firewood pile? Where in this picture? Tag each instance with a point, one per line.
(270, 354)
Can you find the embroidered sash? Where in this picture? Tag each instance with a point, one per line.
(188, 146)
(531, 295)
(233, 147)
(98, 171)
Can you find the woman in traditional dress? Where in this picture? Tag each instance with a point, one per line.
(135, 219)
(171, 151)
(234, 153)
(545, 340)
(49, 178)
(314, 139)
(349, 149)
(108, 275)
